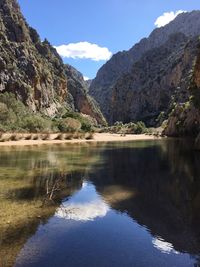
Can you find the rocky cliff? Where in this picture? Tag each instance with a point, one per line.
(115, 71)
(80, 100)
(159, 77)
(184, 119)
(34, 71)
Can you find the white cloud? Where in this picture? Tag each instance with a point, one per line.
(86, 78)
(167, 17)
(84, 50)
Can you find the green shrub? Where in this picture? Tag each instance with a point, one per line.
(86, 123)
(35, 124)
(69, 125)
(3, 112)
(86, 126)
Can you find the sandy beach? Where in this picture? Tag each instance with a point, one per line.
(98, 137)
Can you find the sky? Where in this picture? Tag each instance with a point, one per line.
(86, 33)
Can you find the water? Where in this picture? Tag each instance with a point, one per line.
(123, 204)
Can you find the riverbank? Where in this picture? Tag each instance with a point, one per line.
(97, 137)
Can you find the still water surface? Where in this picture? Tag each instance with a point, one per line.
(123, 204)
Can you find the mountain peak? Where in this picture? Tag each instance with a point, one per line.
(121, 63)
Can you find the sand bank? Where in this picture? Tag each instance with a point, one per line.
(98, 137)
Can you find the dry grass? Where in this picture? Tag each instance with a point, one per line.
(68, 136)
(46, 136)
(9, 137)
(60, 136)
(28, 137)
(89, 136)
(4, 137)
(36, 137)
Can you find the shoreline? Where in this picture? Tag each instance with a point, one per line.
(98, 137)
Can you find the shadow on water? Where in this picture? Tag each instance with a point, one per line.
(159, 187)
(156, 184)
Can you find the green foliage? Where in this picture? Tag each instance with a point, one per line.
(129, 128)
(16, 117)
(86, 124)
(3, 112)
(138, 128)
(161, 117)
(195, 94)
(69, 125)
(118, 123)
(35, 124)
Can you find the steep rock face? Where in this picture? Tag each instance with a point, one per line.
(185, 118)
(184, 121)
(29, 68)
(81, 101)
(32, 69)
(122, 62)
(158, 77)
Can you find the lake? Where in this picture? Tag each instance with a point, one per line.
(107, 204)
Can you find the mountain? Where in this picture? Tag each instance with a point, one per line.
(115, 71)
(34, 72)
(159, 77)
(80, 100)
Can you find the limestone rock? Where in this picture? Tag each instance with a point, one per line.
(116, 69)
(33, 70)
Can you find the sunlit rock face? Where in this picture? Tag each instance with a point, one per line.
(81, 101)
(143, 79)
(184, 120)
(33, 70)
(161, 75)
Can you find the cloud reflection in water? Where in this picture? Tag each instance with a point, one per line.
(163, 246)
(86, 205)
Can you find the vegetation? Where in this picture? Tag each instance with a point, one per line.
(195, 94)
(128, 128)
(16, 117)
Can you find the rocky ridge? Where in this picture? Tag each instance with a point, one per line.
(122, 63)
(159, 78)
(33, 70)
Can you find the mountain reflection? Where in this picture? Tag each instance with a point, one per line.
(111, 193)
(159, 187)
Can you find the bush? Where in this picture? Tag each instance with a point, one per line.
(69, 125)
(86, 123)
(3, 112)
(16, 117)
(35, 124)
(86, 127)
(140, 128)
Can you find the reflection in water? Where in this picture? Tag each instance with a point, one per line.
(128, 204)
(163, 246)
(84, 206)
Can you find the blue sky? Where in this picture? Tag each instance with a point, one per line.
(110, 25)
